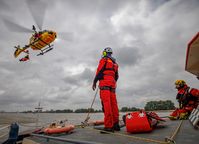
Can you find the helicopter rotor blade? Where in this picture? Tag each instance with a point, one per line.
(37, 9)
(66, 36)
(3, 6)
(16, 27)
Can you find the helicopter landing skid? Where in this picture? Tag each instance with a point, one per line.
(45, 51)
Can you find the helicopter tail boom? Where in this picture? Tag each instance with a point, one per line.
(19, 50)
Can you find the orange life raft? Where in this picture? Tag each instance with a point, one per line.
(59, 129)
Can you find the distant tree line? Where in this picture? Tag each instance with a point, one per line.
(125, 109)
(58, 111)
(87, 110)
(81, 110)
(150, 106)
(159, 105)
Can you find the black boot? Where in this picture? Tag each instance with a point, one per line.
(107, 130)
(124, 119)
(116, 127)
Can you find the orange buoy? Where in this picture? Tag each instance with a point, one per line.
(96, 122)
(59, 129)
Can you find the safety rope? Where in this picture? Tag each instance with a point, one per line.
(168, 140)
(132, 137)
(172, 137)
(2, 128)
(89, 111)
(3, 135)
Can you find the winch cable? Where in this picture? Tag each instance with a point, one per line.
(171, 139)
(89, 110)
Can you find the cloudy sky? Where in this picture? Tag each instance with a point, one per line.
(148, 37)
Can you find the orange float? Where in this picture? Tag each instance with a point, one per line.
(96, 122)
(59, 129)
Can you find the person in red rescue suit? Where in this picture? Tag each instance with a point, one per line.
(188, 99)
(107, 75)
(26, 58)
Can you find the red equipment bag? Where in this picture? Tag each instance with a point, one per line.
(137, 122)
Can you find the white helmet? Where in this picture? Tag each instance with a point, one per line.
(108, 50)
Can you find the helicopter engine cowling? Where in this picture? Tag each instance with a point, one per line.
(41, 39)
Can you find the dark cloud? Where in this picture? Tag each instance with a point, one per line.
(4, 6)
(87, 75)
(128, 56)
(80, 79)
(11, 98)
(149, 40)
(154, 5)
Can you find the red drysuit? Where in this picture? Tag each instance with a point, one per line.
(107, 74)
(187, 97)
(24, 58)
(188, 100)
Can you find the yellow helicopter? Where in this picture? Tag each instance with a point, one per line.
(38, 41)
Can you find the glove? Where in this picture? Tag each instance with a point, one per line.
(94, 86)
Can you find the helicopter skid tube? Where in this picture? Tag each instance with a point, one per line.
(45, 51)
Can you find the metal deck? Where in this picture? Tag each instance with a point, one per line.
(187, 134)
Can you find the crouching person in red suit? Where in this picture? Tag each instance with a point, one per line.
(188, 99)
